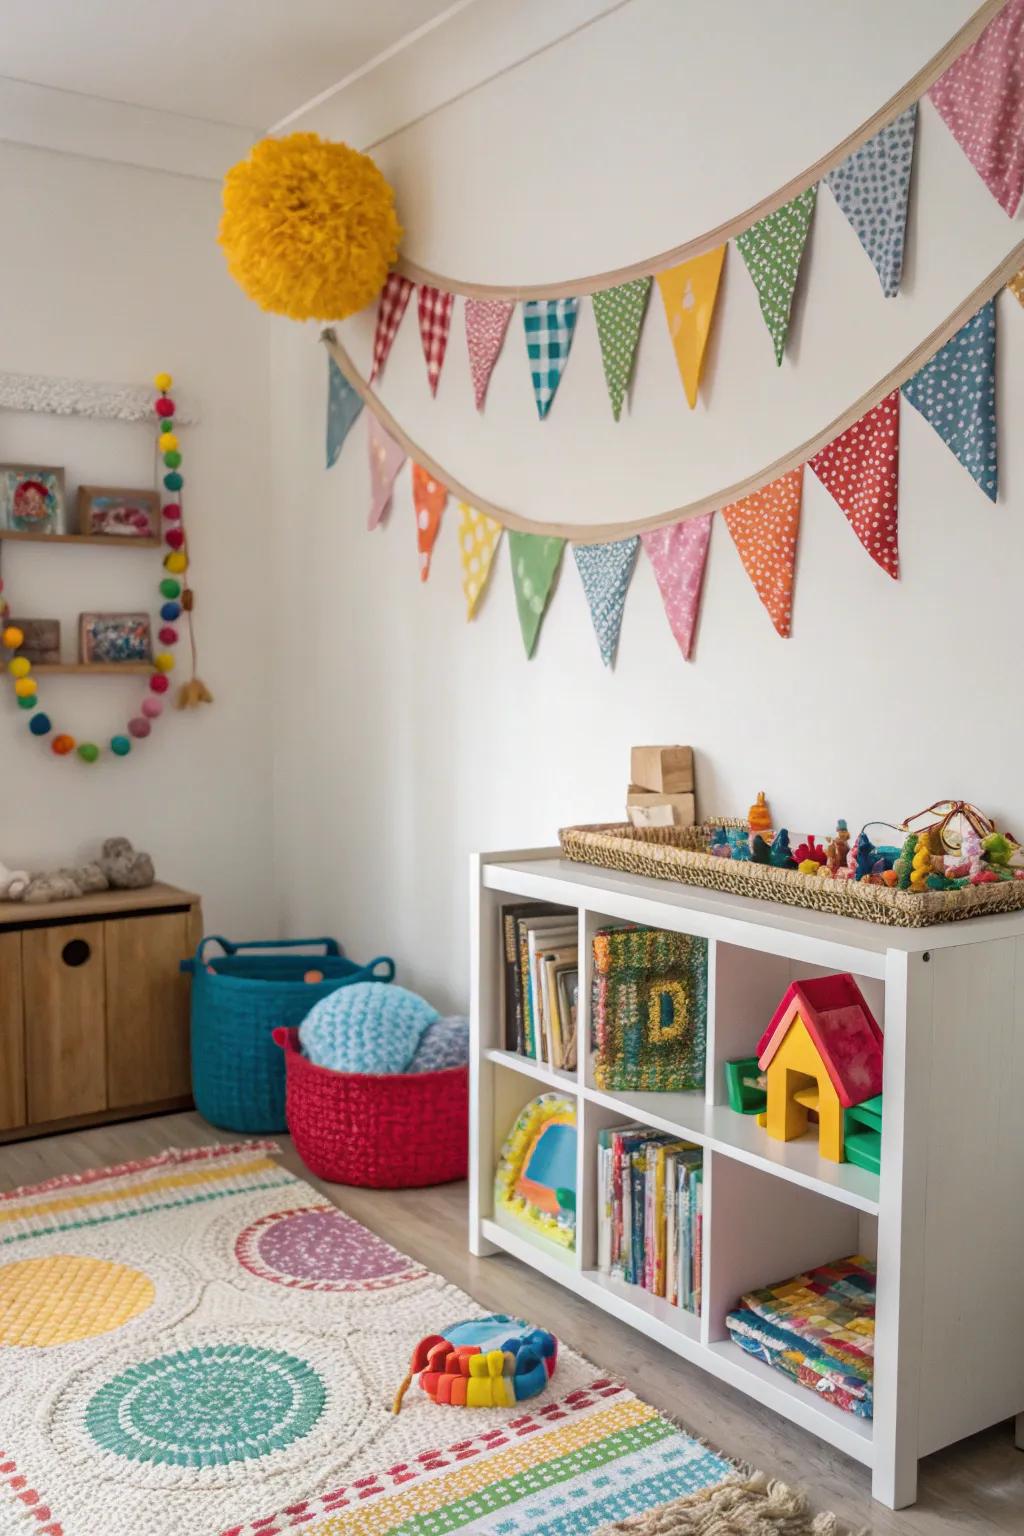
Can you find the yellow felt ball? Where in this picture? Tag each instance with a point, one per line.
(168, 442)
(19, 667)
(164, 662)
(25, 687)
(162, 380)
(309, 227)
(12, 637)
(176, 563)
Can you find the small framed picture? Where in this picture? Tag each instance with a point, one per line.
(105, 509)
(32, 499)
(41, 645)
(106, 638)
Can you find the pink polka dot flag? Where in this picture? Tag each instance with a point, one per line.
(486, 324)
(860, 469)
(981, 98)
(764, 528)
(429, 499)
(678, 554)
(386, 459)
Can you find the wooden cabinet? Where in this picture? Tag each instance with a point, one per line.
(93, 1008)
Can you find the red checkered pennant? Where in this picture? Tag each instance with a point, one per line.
(393, 299)
(435, 308)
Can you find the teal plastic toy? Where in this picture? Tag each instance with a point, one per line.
(862, 1134)
(744, 1095)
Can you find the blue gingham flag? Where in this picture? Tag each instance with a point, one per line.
(605, 571)
(956, 392)
(549, 325)
(343, 406)
(872, 187)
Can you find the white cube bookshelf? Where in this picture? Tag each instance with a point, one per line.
(945, 1218)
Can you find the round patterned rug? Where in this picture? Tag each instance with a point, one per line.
(318, 1249)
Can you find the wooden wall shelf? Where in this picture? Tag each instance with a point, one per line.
(108, 540)
(95, 668)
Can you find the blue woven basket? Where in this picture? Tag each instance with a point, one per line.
(238, 1000)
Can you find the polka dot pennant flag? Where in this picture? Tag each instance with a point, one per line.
(872, 187)
(605, 571)
(549, 325)
(390, 309)
(535, 562)
(688, 293)
(386, 459)
(343, 406)
(772, 250)
(435, 312)
(860, 469)
(486, 324)
(429, 499)
(981, 99)
(1016, 286)
(956, 392)
(764, 528)
(478, 539)
(619, 313)
(679, 554)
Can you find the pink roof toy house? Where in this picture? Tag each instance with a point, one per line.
(822, 1051)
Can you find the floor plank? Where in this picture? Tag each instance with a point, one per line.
(975, 1488)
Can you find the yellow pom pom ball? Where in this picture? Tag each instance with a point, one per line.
(12, 637)
(19, 667)
(25, 687)
(164, 662)
(162, 380)
(168, 442)
(309, 227)
(176, 563)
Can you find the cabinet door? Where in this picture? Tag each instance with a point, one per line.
(147, 1009)
(12, 1034)
(65, 1041)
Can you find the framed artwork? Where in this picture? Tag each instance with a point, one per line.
(32, 499)
(41, 644)
(125, 514)
(106, 638)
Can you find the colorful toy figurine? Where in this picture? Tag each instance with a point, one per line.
(760, 852)
(809, 852)
(822, 1051)
(760, 815)
(739, 842)
(779, 854)
(486, 1362)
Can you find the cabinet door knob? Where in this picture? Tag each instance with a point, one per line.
(75, 952)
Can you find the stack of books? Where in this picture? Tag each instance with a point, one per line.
(650, 1192)
(540, 944)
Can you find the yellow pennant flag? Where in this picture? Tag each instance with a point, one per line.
(689, 292)
(1016, 286)
(478, 539)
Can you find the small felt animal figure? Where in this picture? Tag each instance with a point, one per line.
(739, 842)
(13, 883)
(809, 850)
(125, 869)
(760, 815)
(779, 854)
(843, 838)
(719, 844)
(865, 857)
(485, 1362)
(760, 853)
(921, 866)
(997, 848)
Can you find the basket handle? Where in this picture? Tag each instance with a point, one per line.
(331, 947)
(389, 968)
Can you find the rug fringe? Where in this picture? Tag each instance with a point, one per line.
(741, 1506)
(172, 1156)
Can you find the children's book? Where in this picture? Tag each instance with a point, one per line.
(568, 998)
(512, 998)
(548, 960)
(532, 1040)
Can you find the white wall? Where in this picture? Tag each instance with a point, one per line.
(407, 738)
(108, 272)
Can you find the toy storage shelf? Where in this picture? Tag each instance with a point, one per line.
(950, 999)
(93, 668)
(107, 540)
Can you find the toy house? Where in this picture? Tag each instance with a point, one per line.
(822, 1051)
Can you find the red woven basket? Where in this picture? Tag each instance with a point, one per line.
(383, 1131)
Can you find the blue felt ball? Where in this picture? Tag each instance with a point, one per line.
(120, 746)
(170, 611)
(39, 725)
(174, 481)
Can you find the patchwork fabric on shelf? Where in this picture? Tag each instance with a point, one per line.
(649, 1009)
(818, 1328)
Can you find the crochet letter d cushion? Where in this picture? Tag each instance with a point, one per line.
(366, 1028)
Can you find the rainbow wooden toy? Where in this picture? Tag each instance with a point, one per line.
(485, 1362)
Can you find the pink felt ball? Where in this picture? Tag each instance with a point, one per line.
(175, 538)
(159, 682)
(164, 406)
(139, 727)
(168, 635)
(172, 511)
(152, 707)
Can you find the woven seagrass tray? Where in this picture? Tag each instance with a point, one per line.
(675, 853)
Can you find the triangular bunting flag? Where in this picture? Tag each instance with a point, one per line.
(619, 313)
(343, 406)
(390, 309)
(429, 499)
(772, 249)
(956, 392)
(688, 293)
(764, 528)
(478, 539)
(860, 469)
(535, 562)
(981, 98)
(872, 187)
(386, 459)
(549, 326)
(1016, 286)
(605, 571)
(486, 324)
(678, 554)
(435, 307)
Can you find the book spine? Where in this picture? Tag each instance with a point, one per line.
(639, 1161)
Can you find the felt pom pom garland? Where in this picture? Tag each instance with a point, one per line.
(178, 601)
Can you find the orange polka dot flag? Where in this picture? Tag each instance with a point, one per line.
(764, 528)
(860, 469)
(429, 499)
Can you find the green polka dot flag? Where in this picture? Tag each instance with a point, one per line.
(772, 250)
(535, 562)
(619, 313)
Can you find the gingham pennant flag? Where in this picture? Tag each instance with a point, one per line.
(435, 307)
(549, 326)
(390, 309)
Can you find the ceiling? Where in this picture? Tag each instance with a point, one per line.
(249, 63)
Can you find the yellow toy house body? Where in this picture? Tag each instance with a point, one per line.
(797, 1082)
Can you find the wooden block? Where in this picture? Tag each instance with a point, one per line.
(682, 808)
(662, 770)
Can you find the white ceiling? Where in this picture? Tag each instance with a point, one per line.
(249, 63)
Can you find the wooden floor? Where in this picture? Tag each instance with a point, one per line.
(973, 1488)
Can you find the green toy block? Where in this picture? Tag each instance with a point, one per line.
(862, 1134)
(744, 1096)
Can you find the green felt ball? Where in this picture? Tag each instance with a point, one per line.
(174, 481)
(120, 746)
(88, 752)
(170, 588)
(172, 458)
(30, 702)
